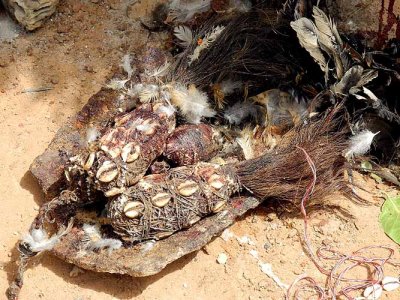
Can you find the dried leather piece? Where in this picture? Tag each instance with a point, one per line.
(137, 260)
(190, 144)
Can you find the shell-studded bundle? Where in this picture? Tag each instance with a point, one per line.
(235, 107)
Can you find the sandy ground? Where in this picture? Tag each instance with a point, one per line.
(74, 60)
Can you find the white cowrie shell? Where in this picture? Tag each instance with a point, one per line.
(219, 206)
(130, 152)
(215, 181)
(114, 191)
(373, 292)
(107, 172)
(133, 209)
(188, 188)
(89, 162)
(390, 283)
(161, 199)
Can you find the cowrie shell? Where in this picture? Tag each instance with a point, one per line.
(107, 172)
(390, 283)
(89, 162)
(130, 152)
(161, 199)
(188, 188)
(114, 191)
(133, 209)
(215, 181)
(219, 206)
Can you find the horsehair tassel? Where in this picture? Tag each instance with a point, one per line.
(285, 173)
(161, 204)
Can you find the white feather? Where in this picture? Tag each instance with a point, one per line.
(92, 134)
(104, 243)
(117, 84)
(127, 65)
(160, 71)
(38, 240)
(192, 103)
(93, 231)
(135, 90)
(96, 241)
(208, 39)
(245, 142)
(149, 93)
(240, 111)
(229, 86)
(184, 34)
(184, 10)
(168, 110)
(360, 143)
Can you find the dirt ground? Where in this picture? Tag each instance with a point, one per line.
(73, 61)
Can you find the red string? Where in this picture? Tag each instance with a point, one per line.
(338, 284)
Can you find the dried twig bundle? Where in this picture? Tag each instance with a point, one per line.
(161, 204)
(124, 153)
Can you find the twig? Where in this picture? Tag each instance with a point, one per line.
(36, 90)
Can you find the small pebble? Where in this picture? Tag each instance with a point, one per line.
(267, 246)
(75, 272)
(222, 258)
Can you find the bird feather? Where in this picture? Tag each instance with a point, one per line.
(184, 34)
(360, 143)
(208, 39)
(327, 31)
(308, 37)
(349, 80)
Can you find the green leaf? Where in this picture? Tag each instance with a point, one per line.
(366, 165)
(376, 178)
(390, 218)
